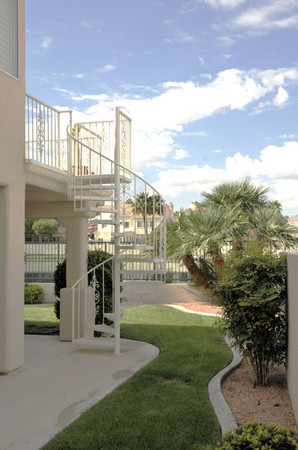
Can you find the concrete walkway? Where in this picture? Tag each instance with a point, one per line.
(59, 381)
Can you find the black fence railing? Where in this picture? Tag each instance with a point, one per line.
(41, 259)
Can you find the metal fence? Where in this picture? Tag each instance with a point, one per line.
(41, 259)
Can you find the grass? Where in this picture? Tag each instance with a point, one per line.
(41, 319)
(165, 405)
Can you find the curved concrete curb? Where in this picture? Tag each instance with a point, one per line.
(222, 410)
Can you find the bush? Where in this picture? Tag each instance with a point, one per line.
(33, 294)
(254, 435)
(253, 287)
(94, 258)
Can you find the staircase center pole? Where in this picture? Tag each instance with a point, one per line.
(117, 231)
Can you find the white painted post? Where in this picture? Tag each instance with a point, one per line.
(117, 231)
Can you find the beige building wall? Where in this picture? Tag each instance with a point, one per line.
(293, 330)
(12, 200)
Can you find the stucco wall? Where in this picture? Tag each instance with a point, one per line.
(12, 205)
(293, 330)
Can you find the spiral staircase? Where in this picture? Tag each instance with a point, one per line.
(97, 159)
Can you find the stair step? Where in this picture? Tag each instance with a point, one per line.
(122, 234)
(94, 187)
(102, 179)
(94, 198)
(98, 210)
(102, 328)
(138, 259)
(143, 272)
(107, 222)
(111, 316)
(91, 198)
(127, 247)
(140, 283)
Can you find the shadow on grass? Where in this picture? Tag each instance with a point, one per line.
(165, 405)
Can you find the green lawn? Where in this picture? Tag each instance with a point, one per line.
(165, 405)
(41, 319)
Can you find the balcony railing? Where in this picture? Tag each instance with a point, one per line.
(47, 141)
(45, 134)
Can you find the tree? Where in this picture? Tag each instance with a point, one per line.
(146, 205)
(28, 225)
(45, 226)
(179, 248)
(234, 212)
(253, 288)
(242, 193)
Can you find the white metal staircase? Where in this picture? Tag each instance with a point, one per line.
(109, 191)
(101, 184)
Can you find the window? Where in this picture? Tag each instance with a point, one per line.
(126, 224)
(140, 224)
(9, 37)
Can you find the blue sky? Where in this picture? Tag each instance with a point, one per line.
(211, 85)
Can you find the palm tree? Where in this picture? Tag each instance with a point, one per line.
(231, 193)
(147, 205)
(210, 229)
(262, 216)
(270, 229)
(179, 248)
(224, 216)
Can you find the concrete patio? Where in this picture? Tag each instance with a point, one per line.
(59, 381)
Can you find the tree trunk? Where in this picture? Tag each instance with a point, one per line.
(218, 261)
(195, 272)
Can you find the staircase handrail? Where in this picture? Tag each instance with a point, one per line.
(112, 162)
(91, 270)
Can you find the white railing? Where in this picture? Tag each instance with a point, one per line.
(116, 196)
(96, 156)
(100, 137)
(47, 140)
(102, 286)
(45, 133)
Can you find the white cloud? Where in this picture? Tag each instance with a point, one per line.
(281, 97)
(87, 25)
(80, 75)
(227, 56)
(180, 154)
(181, 37)
(230, 4)
(275, 166)
(272, 14)
(46, 42)
(192, 5)
(196, 133)
(107, 68)
(201, 60)
(287, 136)
(225, 41)
(158, 118)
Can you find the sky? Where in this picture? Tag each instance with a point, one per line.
(211, 85)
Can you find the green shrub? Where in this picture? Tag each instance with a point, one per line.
(94, 258)
(253, 288)
(255, 435)
(33, 294)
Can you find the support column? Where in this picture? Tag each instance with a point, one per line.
(76, 248)
(12, 207)
(117, 237)
(76, 267)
